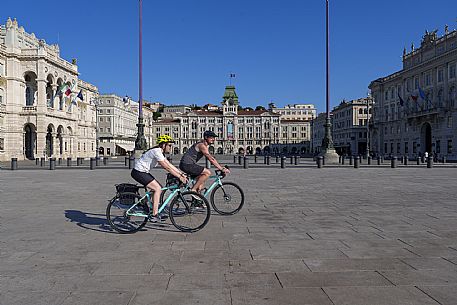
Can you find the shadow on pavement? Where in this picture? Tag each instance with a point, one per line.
(90, 221)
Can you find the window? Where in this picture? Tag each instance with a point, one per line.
(438, 146)
(440, 76)
(449, 122)
(449, 146)
(398, 148)
(101, 119)
(414, 147)
(406, 147)
(416, 83)
(2, 144)
(452, 71)
(391, 147)
(108, 110)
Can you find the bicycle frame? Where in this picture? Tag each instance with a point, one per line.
(148, 195)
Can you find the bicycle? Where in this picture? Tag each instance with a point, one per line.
(227, 198)
(128, 211)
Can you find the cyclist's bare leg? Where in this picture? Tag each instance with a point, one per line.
(156, 188)
(201, 180)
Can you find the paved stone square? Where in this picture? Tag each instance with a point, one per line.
(369, 236)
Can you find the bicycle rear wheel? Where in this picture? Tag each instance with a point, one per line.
(227, 199)
(116, 213)
(189, 211)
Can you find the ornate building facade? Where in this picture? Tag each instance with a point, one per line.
(415, 108)
(36, 118)
(243, 131)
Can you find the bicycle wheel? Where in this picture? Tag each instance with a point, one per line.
(189, 211)
(116, 213)
(227, 199)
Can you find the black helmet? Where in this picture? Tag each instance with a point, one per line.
(208, 134)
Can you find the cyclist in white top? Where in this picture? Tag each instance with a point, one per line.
(151, 158)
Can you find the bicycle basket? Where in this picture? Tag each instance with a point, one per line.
(172, 180)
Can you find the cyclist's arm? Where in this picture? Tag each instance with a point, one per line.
(171, 168)
(204, 149)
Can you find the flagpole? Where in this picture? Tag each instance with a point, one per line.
(140, 142)
(328, 151)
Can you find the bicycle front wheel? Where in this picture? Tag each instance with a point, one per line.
(116, 213)
(189, 211)
(227, 199)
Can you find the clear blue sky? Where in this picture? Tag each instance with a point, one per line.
(276, 48)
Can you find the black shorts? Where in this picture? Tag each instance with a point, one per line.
(191, 169)
(141, 177)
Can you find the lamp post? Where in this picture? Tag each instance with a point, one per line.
(140, 141)
(328, 151)
(368, 125)
(97, 148)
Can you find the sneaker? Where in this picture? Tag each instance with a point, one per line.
(155, 219)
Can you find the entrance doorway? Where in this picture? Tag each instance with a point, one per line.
(426, 138)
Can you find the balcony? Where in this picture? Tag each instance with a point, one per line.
(2, 108)
(29, 109)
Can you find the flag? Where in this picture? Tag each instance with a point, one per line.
(422, 94)
(68, 92)
(62, 89)
(80, 95)
(402, 102)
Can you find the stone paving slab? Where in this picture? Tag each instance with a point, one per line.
(305, 236)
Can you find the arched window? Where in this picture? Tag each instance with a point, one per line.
(360, 111)
(28, 96)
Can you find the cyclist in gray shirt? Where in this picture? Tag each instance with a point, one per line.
(190, 159)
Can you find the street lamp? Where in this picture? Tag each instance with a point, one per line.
(96, 103)
(368, 125)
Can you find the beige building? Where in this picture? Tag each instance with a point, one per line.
(306, 112)
(350, 126)
(117, 119)
(415, 108)
(36, 119)
(318, 132)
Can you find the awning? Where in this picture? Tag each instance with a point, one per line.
(127, 146)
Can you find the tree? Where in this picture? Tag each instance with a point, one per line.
(156, 116)
(248, 109)
(260, 108)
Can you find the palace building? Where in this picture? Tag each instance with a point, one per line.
(45, 109)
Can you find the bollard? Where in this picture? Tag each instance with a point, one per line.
(52, 164)
(264, 159)
(429, 162)
(342, 160)
(246, 163)
(234, 159)
(339, 159)
(97, 161)
(93, 163)
(393, 162)
(277, 159)
(405, 161)
(78, 161)
(356, 162)
(296, 160)
(418, 161)
(60, 161)
(43, 161)
(105, 160)
(444, 159)
(369, 160)
(126, 161)
(350, 160)
(131, 162)
(268, 160)
(255, 158)
(82, 161)
(68, 162)
(207, 163)
(13, 164)
(291, 160)
(239, 159)
(283, 162)
(319, 161)
(37, 161)
(379, 160)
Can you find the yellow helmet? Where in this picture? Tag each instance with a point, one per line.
(164, 139)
